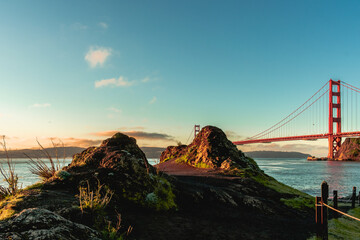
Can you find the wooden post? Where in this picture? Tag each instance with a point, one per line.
(318, 219)
(324, 215)
(335, 199)
(359, 198)
(353, 198)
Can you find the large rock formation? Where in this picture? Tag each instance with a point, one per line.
(250, 205)
(210, 149)
(349, 150)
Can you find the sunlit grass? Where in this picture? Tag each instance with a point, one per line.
(39, 167)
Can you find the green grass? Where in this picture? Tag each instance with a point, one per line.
(344, 228)
(299, 202)
(37, 185)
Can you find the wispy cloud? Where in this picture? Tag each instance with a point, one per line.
(79, 26)
(137, 134)
(153, 100)
(113, 109)
(80, 142)
(232, 135)
(96, 56)
(103, 25)
(145, 80)
(40, 105)
(120, 82)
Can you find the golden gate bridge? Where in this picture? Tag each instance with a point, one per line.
(331, 113)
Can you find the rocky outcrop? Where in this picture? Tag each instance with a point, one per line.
(210, 149)
(250, 205)
(41, 224)
(349, 150)
(114, 153)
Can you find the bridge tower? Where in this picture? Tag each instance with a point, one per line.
(334, 108)
(196, 130)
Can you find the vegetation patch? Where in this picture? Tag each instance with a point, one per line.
(344, 227)
(7, 206)
(37, 185)
(278, 186)
(299, 202)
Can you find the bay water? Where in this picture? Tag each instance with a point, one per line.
(301, 174)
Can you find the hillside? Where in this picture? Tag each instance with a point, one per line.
(276, 154)
(150, 152)
(34, 153)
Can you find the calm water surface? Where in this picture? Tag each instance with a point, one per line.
(298, 173)
(308, 175)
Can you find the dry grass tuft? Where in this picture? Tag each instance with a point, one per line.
(40, 168)
(94, 200)
(9, 175)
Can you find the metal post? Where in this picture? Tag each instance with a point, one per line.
(353, 198)
(324, 215)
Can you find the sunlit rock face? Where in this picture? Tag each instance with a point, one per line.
(349, 150)
(210, 149)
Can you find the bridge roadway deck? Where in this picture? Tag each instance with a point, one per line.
(294, 138)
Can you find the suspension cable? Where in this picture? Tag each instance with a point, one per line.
(260, 134)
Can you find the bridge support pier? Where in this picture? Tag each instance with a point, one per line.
(334, 103)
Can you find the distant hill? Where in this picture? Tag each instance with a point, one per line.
(150, 152)
(34, 153)
(276, 154)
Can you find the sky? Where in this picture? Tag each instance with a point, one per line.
(80, 71)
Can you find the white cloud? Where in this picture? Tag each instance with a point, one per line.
(153, 100)
(120, 82)
(145, 80)
(40, 105)
(113, 109)
(103, 25)
(97, 56)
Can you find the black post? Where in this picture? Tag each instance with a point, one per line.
(359, 198)
(353, 198)
(318, 219)
(324, 199)
(335, 203)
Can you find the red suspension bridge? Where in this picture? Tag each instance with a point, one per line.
(332, 113)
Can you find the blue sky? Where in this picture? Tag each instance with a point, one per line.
(79, 70)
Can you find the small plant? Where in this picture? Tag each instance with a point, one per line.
(112, 232)
(39, 167)
(94, 200)
(9, 175)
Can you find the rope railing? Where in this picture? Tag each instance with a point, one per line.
(322, 206)
(336, 210)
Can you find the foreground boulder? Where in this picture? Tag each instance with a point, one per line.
(210, 149)
(41, 224)
(349, 150)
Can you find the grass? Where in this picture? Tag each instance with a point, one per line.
(94, 200)
(39, 167)
(9, 175)
(7, 206)
(344, 228)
